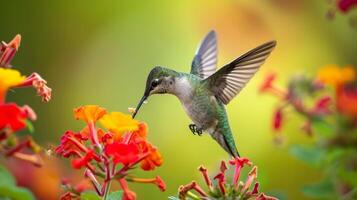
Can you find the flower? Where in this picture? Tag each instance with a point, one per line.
(160, 183)
(184, 190)
(9, 78)
(153, 159)
(221, 179)
(119, 123)
(12, 116)
(122, 141)
(239, 164)
(346, 5)
(142, 131)
(89, 113)
(7, 51)
(157, 181)
(267, 83)
(322, 106)
(346, 100)
(71, 144)
(129, 195)
(40, 84)
(123, 153)
(225, 189)
(277, 119)
(252, 175)
(204, 173)
(83, 161)
(336, 76)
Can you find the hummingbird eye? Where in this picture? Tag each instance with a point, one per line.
(155, 82)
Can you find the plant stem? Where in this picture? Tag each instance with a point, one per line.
(94, 136)
(107, 189)
(108, 178)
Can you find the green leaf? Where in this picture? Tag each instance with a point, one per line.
(322, 128)
(349, 177)
(115, 195)
(15, 193)
(5, 177)
(321, 190)
(311, 155)
(9, 190)
(29, 126)
(90, 196)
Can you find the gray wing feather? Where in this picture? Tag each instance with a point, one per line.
(205, 61)
(227, 82)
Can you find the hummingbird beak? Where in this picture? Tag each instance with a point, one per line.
(139, 105)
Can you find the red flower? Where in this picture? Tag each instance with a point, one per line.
(346, 99)
(123, 153)
(268, 83)
(71, 144)
(129, 195)
(277, 120)
(239, 164)
(12, 116)
(346, 5)
(252, 175)
(221, 179)
(262, 196)
(83, 161)
(322, 106)
(160, 183)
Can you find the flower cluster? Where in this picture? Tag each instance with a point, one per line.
(301, 91)
(14, 118)
(111, 152)
(344, 7)
(328, 103)
(224, 189)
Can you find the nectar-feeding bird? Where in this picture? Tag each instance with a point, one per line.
(204, 92)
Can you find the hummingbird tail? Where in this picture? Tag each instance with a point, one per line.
(234, 152)
(228, 146)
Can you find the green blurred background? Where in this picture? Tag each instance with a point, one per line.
(100, 52)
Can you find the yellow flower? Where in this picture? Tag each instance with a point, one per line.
(336, 76)
(89, 113)
(9, 78)
(119, 123)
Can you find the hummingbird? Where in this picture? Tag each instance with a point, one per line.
(204, 92)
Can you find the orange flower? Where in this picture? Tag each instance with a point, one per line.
(119, 123)
(89, 113)
(142, 131)
(346, 100)
(336, 76)
(85, 132)
(154, 158)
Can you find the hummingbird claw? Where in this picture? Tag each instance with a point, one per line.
(199, 132)
(192, 128)
(195, 130)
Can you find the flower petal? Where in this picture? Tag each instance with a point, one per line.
(89, 113)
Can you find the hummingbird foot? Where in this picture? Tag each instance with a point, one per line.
(194, 129)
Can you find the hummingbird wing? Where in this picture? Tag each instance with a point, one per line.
(228, 81)
(205, 61)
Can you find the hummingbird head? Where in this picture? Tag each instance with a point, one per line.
(159, 81)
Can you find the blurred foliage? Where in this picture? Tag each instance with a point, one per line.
(9, 190)
(100, 53)
(328, 104)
